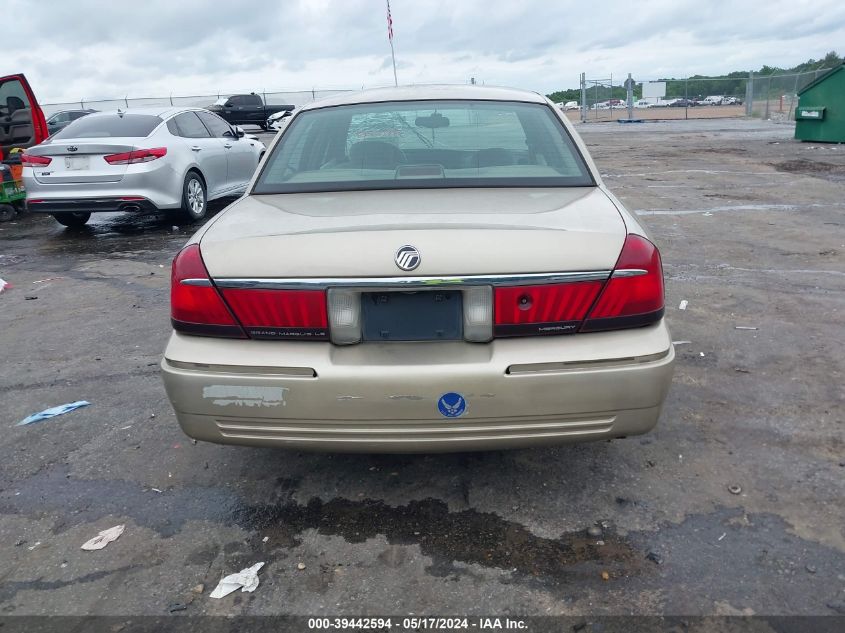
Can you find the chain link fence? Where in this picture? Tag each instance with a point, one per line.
(771, 97)
(688, 98)
(775, 97)
(296, 98)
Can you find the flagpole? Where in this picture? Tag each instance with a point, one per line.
(390, 38)
(393, 55)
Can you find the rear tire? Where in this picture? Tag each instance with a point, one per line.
(194, 198)
(72, 219)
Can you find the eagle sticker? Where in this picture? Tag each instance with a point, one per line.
(452, 405)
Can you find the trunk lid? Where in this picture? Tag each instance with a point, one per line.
(81, 160)
(456, 231)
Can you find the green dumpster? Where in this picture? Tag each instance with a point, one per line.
(820, 115)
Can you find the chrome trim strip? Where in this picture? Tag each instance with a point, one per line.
(585, 365)
(287, 372)
(525, 279)
(205, 283)
(629, 272)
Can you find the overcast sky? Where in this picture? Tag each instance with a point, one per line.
(99, 49)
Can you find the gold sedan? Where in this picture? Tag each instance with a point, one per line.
(420, 269)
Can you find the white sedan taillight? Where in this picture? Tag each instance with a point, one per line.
(136, 156)
(29, 160)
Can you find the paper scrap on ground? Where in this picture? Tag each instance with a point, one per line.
(53, 411)
(245, 580)
(4, 284)
(683, 305)
(104, 538)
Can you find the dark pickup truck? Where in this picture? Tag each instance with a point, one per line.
(246, 110)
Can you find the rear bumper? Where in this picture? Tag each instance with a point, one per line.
(384, 397)
(160, 185)
(89, 205)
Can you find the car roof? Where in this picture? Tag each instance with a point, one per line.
(458, 92)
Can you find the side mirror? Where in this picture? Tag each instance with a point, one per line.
(239, 132)
(228, 104)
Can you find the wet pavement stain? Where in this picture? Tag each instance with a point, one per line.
(9, 589)
(816, 169)
(114, 233)
(465, 536)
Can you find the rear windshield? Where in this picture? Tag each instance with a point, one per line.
(424, 144)
(106, 125)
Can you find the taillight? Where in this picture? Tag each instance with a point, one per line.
(280, 314)
(136, 156)
(198, 307)
(548, 309)
(195, 305)
(633, 296)
(28, 160)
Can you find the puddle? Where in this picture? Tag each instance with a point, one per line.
(104, 234)
(465, 536)
(115, 233)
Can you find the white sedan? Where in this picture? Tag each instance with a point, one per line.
(142, 159)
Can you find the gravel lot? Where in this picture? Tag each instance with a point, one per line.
(752, 229)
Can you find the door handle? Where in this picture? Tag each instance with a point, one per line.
(196, 148)
(228, 145)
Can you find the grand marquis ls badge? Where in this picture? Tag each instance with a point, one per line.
(407, 257)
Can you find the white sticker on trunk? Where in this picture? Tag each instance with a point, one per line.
(240, 396)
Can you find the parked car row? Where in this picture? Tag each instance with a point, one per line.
(690, 102)
(656, 103)
(569, 105)
(271, 278)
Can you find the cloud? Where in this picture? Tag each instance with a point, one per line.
(91, 48)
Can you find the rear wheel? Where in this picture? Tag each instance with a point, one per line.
(194, 198)
(72, 218)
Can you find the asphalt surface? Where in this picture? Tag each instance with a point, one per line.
(752, 231)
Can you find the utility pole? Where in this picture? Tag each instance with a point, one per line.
(583, 97)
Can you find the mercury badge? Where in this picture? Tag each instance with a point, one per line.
(407, 257)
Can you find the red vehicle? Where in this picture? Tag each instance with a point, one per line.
(22, 122)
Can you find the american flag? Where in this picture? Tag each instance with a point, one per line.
(389, 23)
